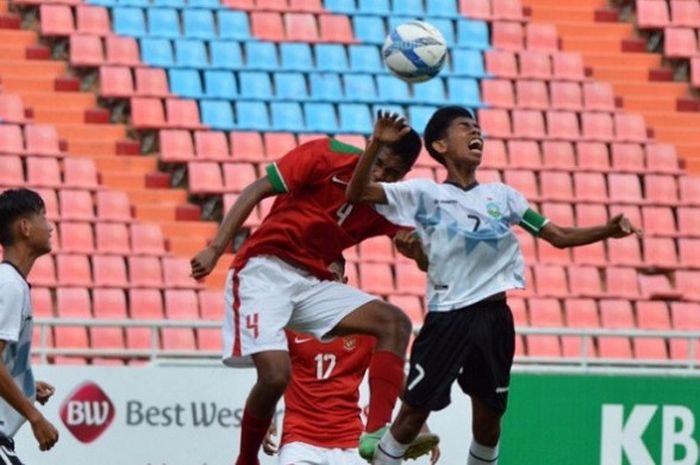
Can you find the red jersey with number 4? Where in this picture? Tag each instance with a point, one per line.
(321, 401)
(311, 222)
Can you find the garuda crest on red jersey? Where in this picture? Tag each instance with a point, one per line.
(349, 343)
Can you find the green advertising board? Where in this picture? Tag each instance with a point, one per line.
(601, 420)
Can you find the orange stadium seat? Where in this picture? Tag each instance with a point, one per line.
(247, 146)
(579, 313)
(145, 272)
(176, 273)
(92, 20)
(267, 25)
(532, 95)
(301, 27)
(112, 238)
(615, 314)
(109, 271)
(684, 317)
(568, 65)
(144, 304)
(211, 146)
(524, 154)
(86, 51)
(585, 281)
(563, 125)
(542, 37)
(12, 174)
(43, 272)
(535, 65)
(147, 239)
(80, 173)
(565, 96)
(500, 63)
(550, 281)
(558, 155)
(56, 20)
(108, 304)
(12, 111)
(335, 28)
(123, 51)
(113, 206)
(237, 176)
(409, 279)
(77, 238)
(507, 36)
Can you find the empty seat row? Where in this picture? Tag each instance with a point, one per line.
(680, 42)
(12, 109)
(32, 139)
(42, 172)
(563, 125)
(113, 271)
(654, 14)
(108, 238)
(558, 95)
(535, 65)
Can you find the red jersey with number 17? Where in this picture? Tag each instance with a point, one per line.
(311, 222)
(321, 402)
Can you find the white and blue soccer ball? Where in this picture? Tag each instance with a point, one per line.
(415, 51)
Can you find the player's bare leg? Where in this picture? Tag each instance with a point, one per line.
(486, 431)
(274, 372)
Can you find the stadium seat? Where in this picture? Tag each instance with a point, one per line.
(176, 145)
(42, 139)
(365, 59)
(163, 22)
(225, 55)
(296, 57)
(593, 156)
(128, 21)
(684, 13)
(688, 221)
(147, 113)
(495, 122)
(320, 117)
(11, 140)
(475, 9)
(376, 278)
(80, 173)
(507, 36)
(204, 178)
(562, 125)
(335, 28)
(630, 128)
(261, 56)
(541, 37)
(686, 283)
(544, 313)
(177, 273)
(267, 25)
(377, 249)
(252, 116)
(419, 115)
(680, 42)
(652, 14)
(624, 188)
(42, 172)
(151, 82)
(73, 270)
(524, 182)
(662, 158)
(108, 304)
(660, 252)
(597, 127)
(185, 83)
(217, 114)
(625, 252)
(407, 8)
(211, 305)
(278, 144)
(657, 286)
(632, 212)
(237, 176)
(12, 110)
(579, 313)
(72, 303)
(247, 146)
(43, 272)
(92, 20)
(109, 271)
(689, 187)
(255, 85)
(123, 51)
(468, 63)
(684, 317)
(86, 51)
(191, 54)
(116, 81)
(42, 303)
(113, 206)
(233, 25)
(615, 314)
(627, 157)
(145, 272)
(598, 96)
(689, 252)
(473, 34)
(524, 155)
(286, 116)
(301, 27)
(441, 9)
(590, 187)
(12, 174)
(550, 281)
(198, 24)
(211, 146)
(112, 238)
(329, 58)
(180, 305)
(494, 154)
(147, 239)
(182, 113)
(389, 89)
(361, 88)
(568, 66)
(500, 63)
(76, 205)
(565, 95)
(144, 304)
(508, 10)
(556, 186)
(535, 65)
(661, 189)
(658, 221)
(409, 279)
(584, 281)
(498, 93)
(354, 118)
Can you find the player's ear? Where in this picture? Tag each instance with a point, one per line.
(440, 146)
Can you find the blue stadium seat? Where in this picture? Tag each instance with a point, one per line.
(233, 25)
(225, 54)
(390, 108)
(464, 91)
(261, 55)
(255, 85)
(217, 114)
(355, 118)
(418, 116)
(108, 3)
(446, 26)
(340, 6)
(286, 116)
(412, 8)
(290, 86)
(157, 52)
(467, 63)
(198, 24)
(136, 3)
(431, 92)
(253, 115)
(394, 21)
(360, 88)
(365, 59)
(473, 34)
(320, 117)
(220, 84)
(369, 29)
(331, 57)
(170, 3)
(296, 57)
(207, 4)
(325, 87)
(391, 89)
(374, 7)
(185, 83)
(163, 22)
(441, 8)
(191, 54)
(128, 21)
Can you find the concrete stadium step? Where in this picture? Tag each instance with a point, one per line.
(122, 180)
(557, 14)
(188, 245)
(607, 59)
(107, 131)
(67, 115)
(59, 99)
(172, 196)
(669, 90)
(132, 164)
(599, 30)
(627, 73)
(204, 229)
(155, 213)
(32, 67)
(677, 119)
(90, 147)
(17, 38)
(14, 83)
(590, 44)
(547, 4)
(639, 103)
(677, 135)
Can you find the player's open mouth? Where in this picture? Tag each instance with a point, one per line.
(476, 145)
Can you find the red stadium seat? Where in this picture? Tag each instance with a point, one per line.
(624, 188)
(476, 9)
(524, 155)
(177, 273)
(278, 144)
(598, 96)
(266, 25)
(77, 238)
(632, 212)
(563, 125)
(622, 283)
(685, 13)
(658, 221)
(592, 156)
(108, 304)
(548, 254)
(524, 182)
(507, 36)
(50, 202)
(498, 93)
(86, 50)
(487, 176)
(657, 287)
(543, 346)
(377, 249)
(312, 6)
(590, 187)
(532, 95)
(43, 172)
(592, 254)
(519, 309)
(590, 215)
(76, 205)
(630, 128)
(566, 95)
(585, 281)
(301, 27)
(43, 272)
(689, 252)
(247, 146)
(123, 51)
(116, 81)
(147, 239)
(689, 187)
(145, 272)
(509, 10)
(183, 113)
(72, 303)
(80, 173)
(495, 122)
(73, 270)
(661, 189)
(579, 313)
(144, 304)
(42, 303)
(625, 251)
(652, 14)
(42, 139)
(680, 42)
(551, 281)
(615, 314)
(597, 127)
(411, 305)
(544, 313)
(176, 145)
(272, 5)
(409, 279)
(662, 158)
(112, 238)
(494, 154)
(205, 177)
(527, 245)
(11, 140)
(535, 65)
(335, 28)
(542, 37)
(237, 176)
(12, 111)
(376, 278)
(56, 20)
(211, 146)
(568, 66)
(109, 271)
(557, 186)
(627, 157)
(147, 113)
(211, 305)
(688, 221)
(660, 252)
(500, 63)
(180, 305)
(686, 284)
(113, 206)
(151, 82)
(92, 20)
(684, 317)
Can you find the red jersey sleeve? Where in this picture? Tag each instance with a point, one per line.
(301, 166)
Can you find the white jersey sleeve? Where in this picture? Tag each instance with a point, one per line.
(517, 205)
(402, 201)
(11, 303)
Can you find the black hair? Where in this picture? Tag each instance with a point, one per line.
(408, 148)
(436, 128)
(15, 204)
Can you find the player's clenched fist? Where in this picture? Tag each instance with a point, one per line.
(622, 227)
(45, 433)
(204, 262)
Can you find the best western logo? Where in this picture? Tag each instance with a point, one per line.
(631, 435)
(87, 412)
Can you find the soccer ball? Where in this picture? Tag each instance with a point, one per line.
(415, 51)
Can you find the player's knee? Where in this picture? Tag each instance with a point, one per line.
(487, 433)
(274, 380)
(398, 323)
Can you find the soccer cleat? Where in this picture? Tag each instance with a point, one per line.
(422, 445)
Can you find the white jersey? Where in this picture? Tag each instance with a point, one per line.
(466, 234)
(16, 331)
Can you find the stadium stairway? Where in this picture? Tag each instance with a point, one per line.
(615, 53)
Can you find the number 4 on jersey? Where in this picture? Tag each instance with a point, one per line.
(343, 212)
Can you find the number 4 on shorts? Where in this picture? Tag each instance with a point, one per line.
(251, 322)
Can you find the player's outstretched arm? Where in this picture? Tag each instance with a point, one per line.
(388, 129)
(561, 237)
(205, 261)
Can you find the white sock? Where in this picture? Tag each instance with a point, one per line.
(482, 455)
(389, 450)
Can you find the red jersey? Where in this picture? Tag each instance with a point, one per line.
(311, 221)
(321, 401)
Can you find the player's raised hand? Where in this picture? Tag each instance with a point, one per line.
(389, 127)
(622, 227)
(44, 391)
(204, 262)
(269, 445)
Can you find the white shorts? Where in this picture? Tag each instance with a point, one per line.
(299, 453)
(268, 295)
